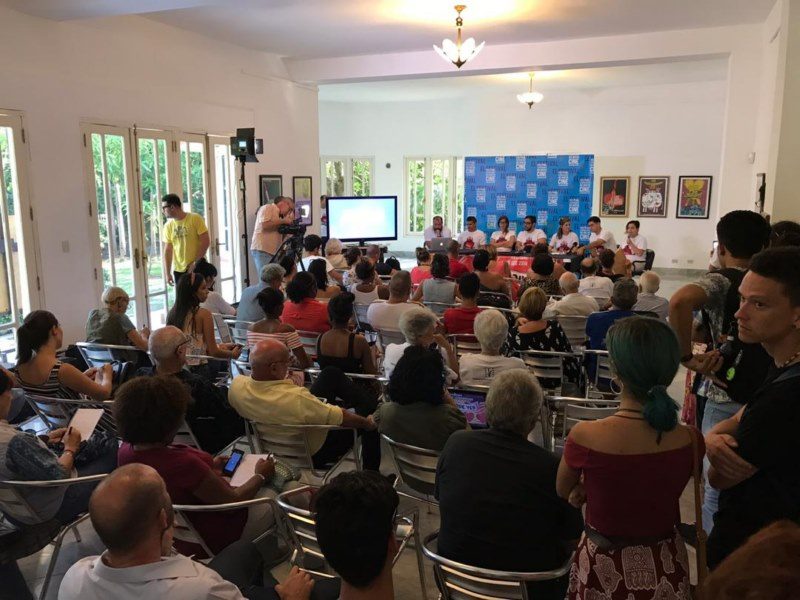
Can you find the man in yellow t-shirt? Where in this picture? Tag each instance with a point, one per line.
(185, 238)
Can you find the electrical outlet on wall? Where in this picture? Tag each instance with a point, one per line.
(690, 261)
(674, 261)
(65, 246)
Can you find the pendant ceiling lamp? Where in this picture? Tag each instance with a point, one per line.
(530, 97)
(459, 53)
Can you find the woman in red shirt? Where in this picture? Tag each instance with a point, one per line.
(423, 269)
(631, 469)
(303, 311)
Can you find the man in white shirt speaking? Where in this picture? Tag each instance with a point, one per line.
(437, 230)
(473, 238)
(635, 245)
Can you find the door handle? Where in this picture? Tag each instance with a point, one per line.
(217, 244)
(136, 257)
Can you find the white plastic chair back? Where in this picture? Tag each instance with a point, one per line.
(574, 327)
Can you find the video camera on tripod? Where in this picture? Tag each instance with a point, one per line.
(295, 229)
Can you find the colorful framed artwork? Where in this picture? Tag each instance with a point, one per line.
(694, 197)
(270, 187)
(614, 196)
(301, 191)
(652, 199)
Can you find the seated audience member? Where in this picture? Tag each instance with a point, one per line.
(630, 469)
(26, 457)
(530, 236)
(312, 244)
(535, 333)
(271, 276)
(341, 348)
(496, 265)
(290, 269)
(594, 285)
(541, 276)
(457, 268)
(491, 329)
(606, 258)
(573, 303)
(386, 315)
(421, 412)
(623, 299)
(558, 265)
(503, 239)
(511, 520)
(634, 246)
(418, 325)
(490, 281)
(333, 252)
(110, 325)
(438, 288)
(214, 302)
(649, 282)
(132, 514)
(460, 319)
(564, 241)
(149, 412)
(40, 372)
(355, 523)
(316, 269)
(303, 311)
(390, 267)
(767, 567)
(753, 454)
(214, 423)
(423, 269)
(367, 287)
(271, 302)
(473, 238)
(351, 256)
(268, 398)
(436, 230)
(187, 315)
(784, 233)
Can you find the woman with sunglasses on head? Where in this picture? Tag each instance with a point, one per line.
(110, 324)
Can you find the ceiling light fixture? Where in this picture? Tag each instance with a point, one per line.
(530, 97)
(459, 53)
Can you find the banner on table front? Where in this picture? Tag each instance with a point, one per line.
(548, 186)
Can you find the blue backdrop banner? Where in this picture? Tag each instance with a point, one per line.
(549, 186)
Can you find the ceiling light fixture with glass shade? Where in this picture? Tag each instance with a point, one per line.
(530, 97)
(459, 53)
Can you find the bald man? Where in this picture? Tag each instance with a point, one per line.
(573, 303)
(213, 421)
(269, 398)
(592, 284)
(132, 513)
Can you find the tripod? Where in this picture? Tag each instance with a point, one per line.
(291, 246)
(243, 188)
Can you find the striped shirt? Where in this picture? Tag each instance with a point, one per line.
(51, 387)
(290, 338)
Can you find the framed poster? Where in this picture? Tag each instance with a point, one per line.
(301, 191)
(270, 187)
(694, 197)
(614, 196)
(652, 199)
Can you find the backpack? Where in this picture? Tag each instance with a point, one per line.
(746, 365)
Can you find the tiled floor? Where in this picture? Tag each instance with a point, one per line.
(406, 575)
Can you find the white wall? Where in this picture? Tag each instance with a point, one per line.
(131, 70)
(673, 130)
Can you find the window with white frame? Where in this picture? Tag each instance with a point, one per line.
(347, 175)
(434, 186)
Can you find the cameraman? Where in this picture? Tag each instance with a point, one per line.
(266, 237)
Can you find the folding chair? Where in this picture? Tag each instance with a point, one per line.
(97, 355)
(309, 341)
(416, 468)
(457, 581)
(577, 412)
(382, 381)
(547, 365)
(222, 327)
(185, 531)
(438, 308)
(57, 412)
(13, 503)
(553, 406)
(289, 443)
(390, 336)
(464, 343)
(574, 327)
(602, 373)
(302, 530)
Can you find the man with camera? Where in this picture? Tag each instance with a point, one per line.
(266, 236)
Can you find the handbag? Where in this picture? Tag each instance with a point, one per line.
(702, 537)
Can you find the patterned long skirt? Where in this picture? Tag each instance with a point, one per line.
(658, 571)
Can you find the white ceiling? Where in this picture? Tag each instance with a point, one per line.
(326, 28)
(443, 88)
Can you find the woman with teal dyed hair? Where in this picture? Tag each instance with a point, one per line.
(630, 469)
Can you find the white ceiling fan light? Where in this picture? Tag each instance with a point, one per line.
(459, 53)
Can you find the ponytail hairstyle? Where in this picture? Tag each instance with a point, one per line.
(561, 223)
(645, 355)
(33, 334)
(186, 300)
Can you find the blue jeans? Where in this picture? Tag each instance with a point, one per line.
(715, 412)
(260, 258)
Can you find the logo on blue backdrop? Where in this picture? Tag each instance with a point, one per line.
(531, 190)
(563, 178)
(500, 160)
(574, 206)
(552, 198)
(501, 202)
(490, 176)
(541, 170)
(541, 218)
(491, 221)
(522, 210)
(574, 160)
(591, 165)
(520, 163)
(511, 183)
(584, 233)
(469, 168)
(585, 186)
(480, 195)
(472, 211)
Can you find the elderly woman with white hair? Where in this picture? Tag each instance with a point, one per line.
(491, 329)
(110, 324)
(333, 252)
(513, 519)
(647, 301)
(418, 325)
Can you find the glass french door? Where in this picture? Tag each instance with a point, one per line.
(225, 242)
(193, 175)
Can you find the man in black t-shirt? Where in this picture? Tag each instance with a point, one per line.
(754, 454)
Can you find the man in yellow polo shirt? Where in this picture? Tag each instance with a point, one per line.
(268, 398)
(185, 238)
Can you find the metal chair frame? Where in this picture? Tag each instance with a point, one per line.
(549, 412)
(414, 466)
(458, 581)
(309, 341)
(301, 527)
(438, 308)
(382, 381)
(12, 497)
(574, 327)
(602, 366)
(465, 343)
(547, 364)
(57, 412)
(97, 355)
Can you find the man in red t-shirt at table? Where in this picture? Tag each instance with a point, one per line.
(457, 268)
(461, 319)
